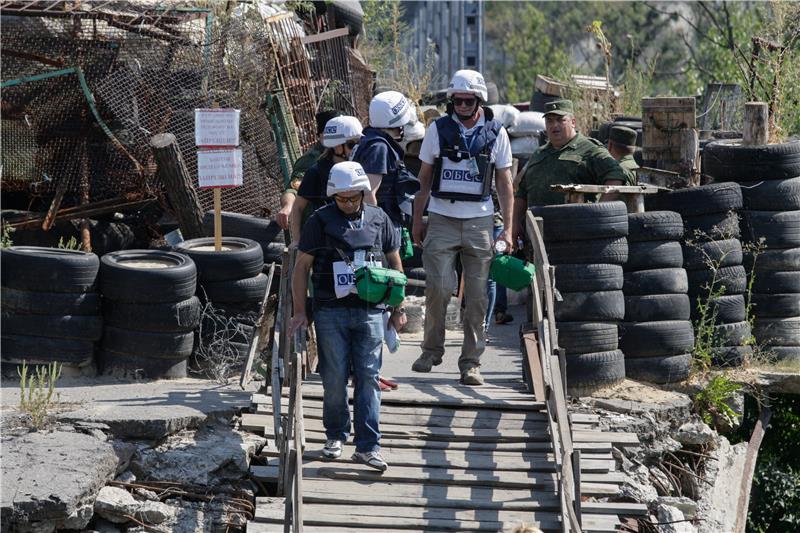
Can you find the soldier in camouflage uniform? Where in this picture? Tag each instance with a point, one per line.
(621, 146)
(567, 158)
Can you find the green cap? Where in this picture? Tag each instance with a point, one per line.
(623, 135)
(559, 107)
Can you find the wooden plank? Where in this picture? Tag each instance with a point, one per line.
(535, 365)
(324, 36)
(619, 508)
(605, 436)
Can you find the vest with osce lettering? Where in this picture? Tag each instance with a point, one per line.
(333, 276)
(463, 170)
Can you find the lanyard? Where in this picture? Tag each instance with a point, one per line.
(472, 137)
(357, 224)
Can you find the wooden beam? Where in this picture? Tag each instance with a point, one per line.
(756, 124)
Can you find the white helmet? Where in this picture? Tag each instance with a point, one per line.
(390, 109)
(339, 130)
(347, 176)
(468, 81)
(412, 132)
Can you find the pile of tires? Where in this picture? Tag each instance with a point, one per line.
(712, 257)
(231, 288)
(150, 311)
(588, 246)
(770, 180)
(50, 308)
(657, 336)
(264, 231)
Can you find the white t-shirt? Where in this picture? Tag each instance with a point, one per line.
(500, 156)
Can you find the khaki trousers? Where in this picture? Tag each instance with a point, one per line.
(446, 238)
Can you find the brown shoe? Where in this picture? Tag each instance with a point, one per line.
(472, 376)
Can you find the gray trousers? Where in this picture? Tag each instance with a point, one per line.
(446, 238)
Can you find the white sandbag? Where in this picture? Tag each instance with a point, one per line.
(506, 114)
(528, 123)
(524, 145)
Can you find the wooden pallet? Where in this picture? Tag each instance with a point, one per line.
(461, 459)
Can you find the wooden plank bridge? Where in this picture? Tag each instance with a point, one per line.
(460, 458)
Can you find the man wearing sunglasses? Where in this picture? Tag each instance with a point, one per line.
(462, 156)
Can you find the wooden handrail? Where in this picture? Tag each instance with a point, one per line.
(553, 367)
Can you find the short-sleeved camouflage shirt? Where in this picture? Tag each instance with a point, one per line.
(629, 166)
(581, 160)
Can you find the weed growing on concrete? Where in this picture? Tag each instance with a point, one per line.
(713, 402)
(36, 392)
(71, 244)
(5, 239)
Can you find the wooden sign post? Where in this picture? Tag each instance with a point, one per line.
(219, 162)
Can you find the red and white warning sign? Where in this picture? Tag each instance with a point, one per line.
(219, 168)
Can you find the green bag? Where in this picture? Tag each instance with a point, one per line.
(406, 246)
(511, 272)
(381, 285)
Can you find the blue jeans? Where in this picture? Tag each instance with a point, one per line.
(351, 339)
(496, 293)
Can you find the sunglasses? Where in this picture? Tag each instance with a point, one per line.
(353, 200)
(351, 144)
(463, 101)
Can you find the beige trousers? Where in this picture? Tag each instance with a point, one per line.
(446, 238)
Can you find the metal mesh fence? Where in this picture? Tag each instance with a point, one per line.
(722, 107)
(330, 68)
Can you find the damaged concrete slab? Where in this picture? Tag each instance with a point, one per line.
(140, 409)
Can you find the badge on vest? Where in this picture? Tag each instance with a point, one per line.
(461, 177)
(344, 276)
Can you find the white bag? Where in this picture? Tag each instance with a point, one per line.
(528, 123)
(524, 145)
(505, 114)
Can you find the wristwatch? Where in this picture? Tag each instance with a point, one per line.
(401, 310)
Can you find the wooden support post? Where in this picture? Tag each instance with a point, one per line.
(756, 124)
(576, 473)
(689, 156)
(86, 236)
(178, 184)
(749, 468)
(217, 219)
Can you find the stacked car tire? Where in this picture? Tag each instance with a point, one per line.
(588, 246)
(657, 336)
(770, 180)
(712, 257)
(232, 286)
(264, 231)
(50, 308)
(150, 312)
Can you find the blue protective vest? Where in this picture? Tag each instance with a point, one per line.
(398, 182)
(340, 237)
(453, 177)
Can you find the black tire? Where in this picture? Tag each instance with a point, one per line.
(735, 334)
(587, 337)
(34, 268)
(577, 222)
(50, 303)
(36, 350)
(611, 251)
(704, 255)
(238, 290)
(655, 226)
(729, 159)
(590, 370)
(726, 309)
(590, 306)
(713, 227)
(107, 237)
(771, 195)
(124, 276)
(588, 277)
(240, 258)
(656, 281)
(778, 331)
(780, 229)
(653, 339)
(668, 369)
(126, 365)
(785, 354)
(171, 317)
(731, 356)
(778, 259)
(261, 230)
(704, 200)
(775, 305)
(148, 343)
(776, 281)
(648, 255)
(733, 279)
(657, 307)
(273, 252)
(87, 328)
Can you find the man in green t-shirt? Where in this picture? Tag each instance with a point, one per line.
(567, 158)
(303, 163)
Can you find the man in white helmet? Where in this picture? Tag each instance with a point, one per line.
(337, 239)
(463, 155)
(381, 154)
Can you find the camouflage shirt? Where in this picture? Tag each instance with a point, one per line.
(581, 160)
(629, 166)
(303, 163)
